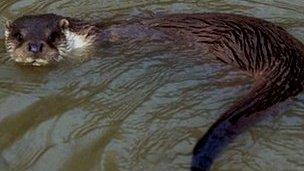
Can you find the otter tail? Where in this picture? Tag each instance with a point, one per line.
(238, 117)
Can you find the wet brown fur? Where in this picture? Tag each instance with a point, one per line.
(273, 57)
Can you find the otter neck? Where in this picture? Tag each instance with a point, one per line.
(81, 35)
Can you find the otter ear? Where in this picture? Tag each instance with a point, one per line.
(64, 23)
(8, 24)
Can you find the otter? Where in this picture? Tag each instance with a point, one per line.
(264, 50)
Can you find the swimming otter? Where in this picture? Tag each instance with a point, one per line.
(274, 58)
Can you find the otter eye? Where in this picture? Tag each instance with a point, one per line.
(53, 36)
(18, 36)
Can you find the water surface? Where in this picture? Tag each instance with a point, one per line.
(138, 106)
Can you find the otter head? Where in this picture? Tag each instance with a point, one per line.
(36, 40)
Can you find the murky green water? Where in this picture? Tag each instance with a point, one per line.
(138, 106)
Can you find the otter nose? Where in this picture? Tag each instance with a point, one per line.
(35, 47)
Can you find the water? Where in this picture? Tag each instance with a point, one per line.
(138, 106)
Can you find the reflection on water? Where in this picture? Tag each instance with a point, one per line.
(137, 106)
